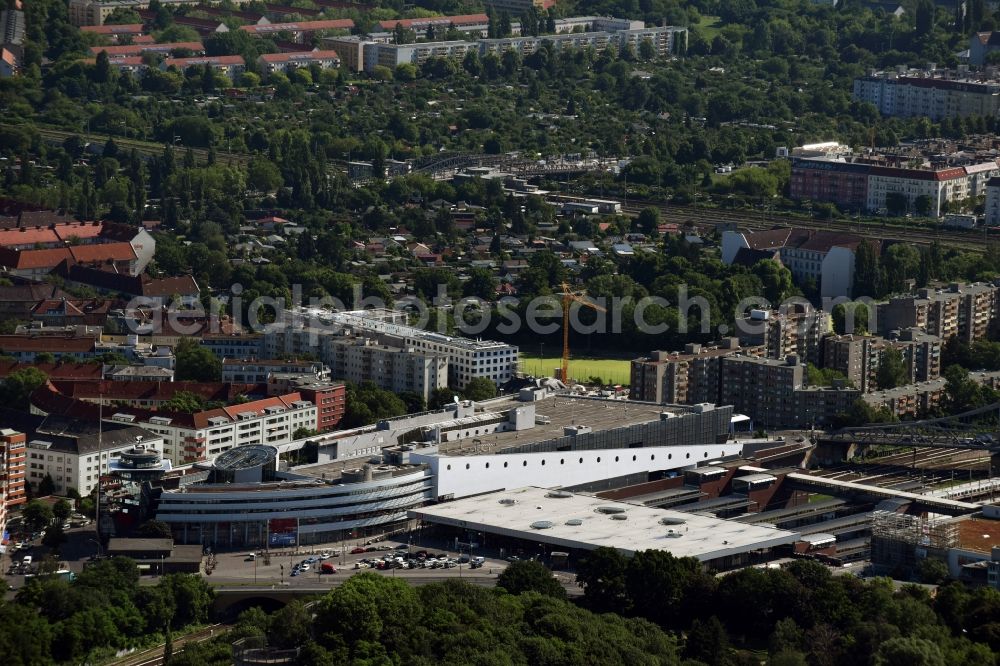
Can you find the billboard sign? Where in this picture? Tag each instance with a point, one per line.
(283, 532)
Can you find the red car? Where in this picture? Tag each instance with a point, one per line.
(357, 550)
(328, 568)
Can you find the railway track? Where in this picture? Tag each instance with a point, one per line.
(955, 238)
(933, 466)
(142, 147)
(154, 656)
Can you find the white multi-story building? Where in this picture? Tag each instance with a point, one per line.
(189, 438)
(467, 358)
(231, 66)
(824, 257)
(867, 182)
(73, 452)
(270, 63)
(936, 94)
(366, 54)
(993, 202)
(940, 185)
(344, 341)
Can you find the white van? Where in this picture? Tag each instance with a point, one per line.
(26, 561)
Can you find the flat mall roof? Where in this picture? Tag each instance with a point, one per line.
(512, 513)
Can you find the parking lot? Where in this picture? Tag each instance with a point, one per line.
(332, 563)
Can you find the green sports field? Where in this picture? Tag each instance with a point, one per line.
(610, 370)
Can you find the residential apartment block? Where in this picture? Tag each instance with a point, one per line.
(301, 31)
(118, 33)
(249, 346)
(189, 438)
(95, 12)
(126, 50)
(968, 311)
(772, 392)
(799, 331)
(681, 378)
(992, 210)
(365, 54)
(936, 94)
(250, 371)
(868, 182)
(827, 258)
(270, 63)
(462, 358)
(193, 437)
(73, 452)
(359, 358)
(231, 66)
(13, 469)
(858, 357)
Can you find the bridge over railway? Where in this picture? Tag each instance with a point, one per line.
(934, 503)
(977, 430)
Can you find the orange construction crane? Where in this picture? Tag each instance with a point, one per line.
(568, 298)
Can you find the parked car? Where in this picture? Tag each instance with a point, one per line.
(358, 550)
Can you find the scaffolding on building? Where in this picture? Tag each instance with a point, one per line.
(903, 540)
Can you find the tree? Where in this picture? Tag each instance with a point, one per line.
(481, 284)
(46, 486)
(649, 220)
(925, 17)
(168, 647)
(530, 576)
(504, 26)
(263, 175)
(867, 271)
(290, 626)
(861, 413)
(405, 71)
(776, 279)
(908, 651)
(414, 401)
(896, 203)
(185, 402)
(707, 641)
(962, 392)
(196, 363)
(602, 575)
(19, 385)
(54, 536)
(923, 205)
(646, 49)
(37, 515)
(480, 388)
(933, 571)
(154, 529)
(892, 370)
(62, 510)
(192, 598)
(366, 403)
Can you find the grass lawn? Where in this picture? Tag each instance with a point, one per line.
(709, 26)
(608, 369)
